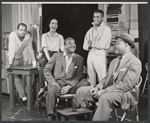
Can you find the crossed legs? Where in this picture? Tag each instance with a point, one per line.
(105, 103)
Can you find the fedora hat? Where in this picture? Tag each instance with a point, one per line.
(128, 38)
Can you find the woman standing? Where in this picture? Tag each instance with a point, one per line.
(52, 42)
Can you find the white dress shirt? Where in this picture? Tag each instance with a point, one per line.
(123, 57)
(68, 61)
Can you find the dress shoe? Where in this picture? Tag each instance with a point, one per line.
(62, 119)
(50, 117)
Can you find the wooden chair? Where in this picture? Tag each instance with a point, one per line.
(125, 111)
(94, 105)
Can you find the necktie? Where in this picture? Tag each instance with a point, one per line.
(118, 64)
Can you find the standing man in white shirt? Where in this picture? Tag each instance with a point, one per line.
(96, 41)
(20, 42)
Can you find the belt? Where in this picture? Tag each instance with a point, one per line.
(53, 51)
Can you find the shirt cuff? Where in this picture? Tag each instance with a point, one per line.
(97, 87)
(10, 62)
(70, 86)
(33, 63)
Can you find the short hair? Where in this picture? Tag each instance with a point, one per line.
(99, 11)
(67, 39)
(21, 24)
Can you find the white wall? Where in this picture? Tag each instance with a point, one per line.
(12, 14)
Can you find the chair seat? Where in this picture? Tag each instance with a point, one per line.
(67, 96)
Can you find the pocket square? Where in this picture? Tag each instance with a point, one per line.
(75, 66)
(123, 69)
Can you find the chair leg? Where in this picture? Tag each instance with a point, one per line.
(144, 84)
(57, 102)
(56, 116)
(116, 116)
(137, 113)
(124, 114)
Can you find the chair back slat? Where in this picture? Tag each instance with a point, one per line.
(146, 66)
(140, 81)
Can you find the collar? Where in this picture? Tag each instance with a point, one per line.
(56, 34)
(125, 55)
(99, 25)
(64, 54)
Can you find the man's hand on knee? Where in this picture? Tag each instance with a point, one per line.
(65, 89)
(93, 91)
(99, 93)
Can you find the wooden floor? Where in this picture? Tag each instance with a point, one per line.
(20, 113)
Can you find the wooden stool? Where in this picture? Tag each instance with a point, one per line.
(66, 112)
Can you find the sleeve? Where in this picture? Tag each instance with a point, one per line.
(30, 50)
(86, 39)
(48, 70)
(11, 48)
(61, 43)
(79, 73)
(105, 40)
(130, 78)
(44, 42)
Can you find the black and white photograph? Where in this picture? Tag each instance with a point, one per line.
(74, 61)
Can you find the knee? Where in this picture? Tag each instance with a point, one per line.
(53, 91)
(103, 99)
(50, 92)
(42, 62)
(80, 91)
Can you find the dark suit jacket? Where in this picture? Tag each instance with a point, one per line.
(57, 65)
(127, 76)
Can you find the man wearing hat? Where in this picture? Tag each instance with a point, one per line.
(116, 86)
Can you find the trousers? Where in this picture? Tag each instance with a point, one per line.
(18, 60)
(42, 62)
(105, 102)
(54, 92)
(96, 65)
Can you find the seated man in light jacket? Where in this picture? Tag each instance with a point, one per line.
(67, 69)
(116, 86)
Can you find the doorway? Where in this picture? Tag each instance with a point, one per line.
(73, 21)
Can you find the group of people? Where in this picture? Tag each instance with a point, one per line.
(61, 69)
